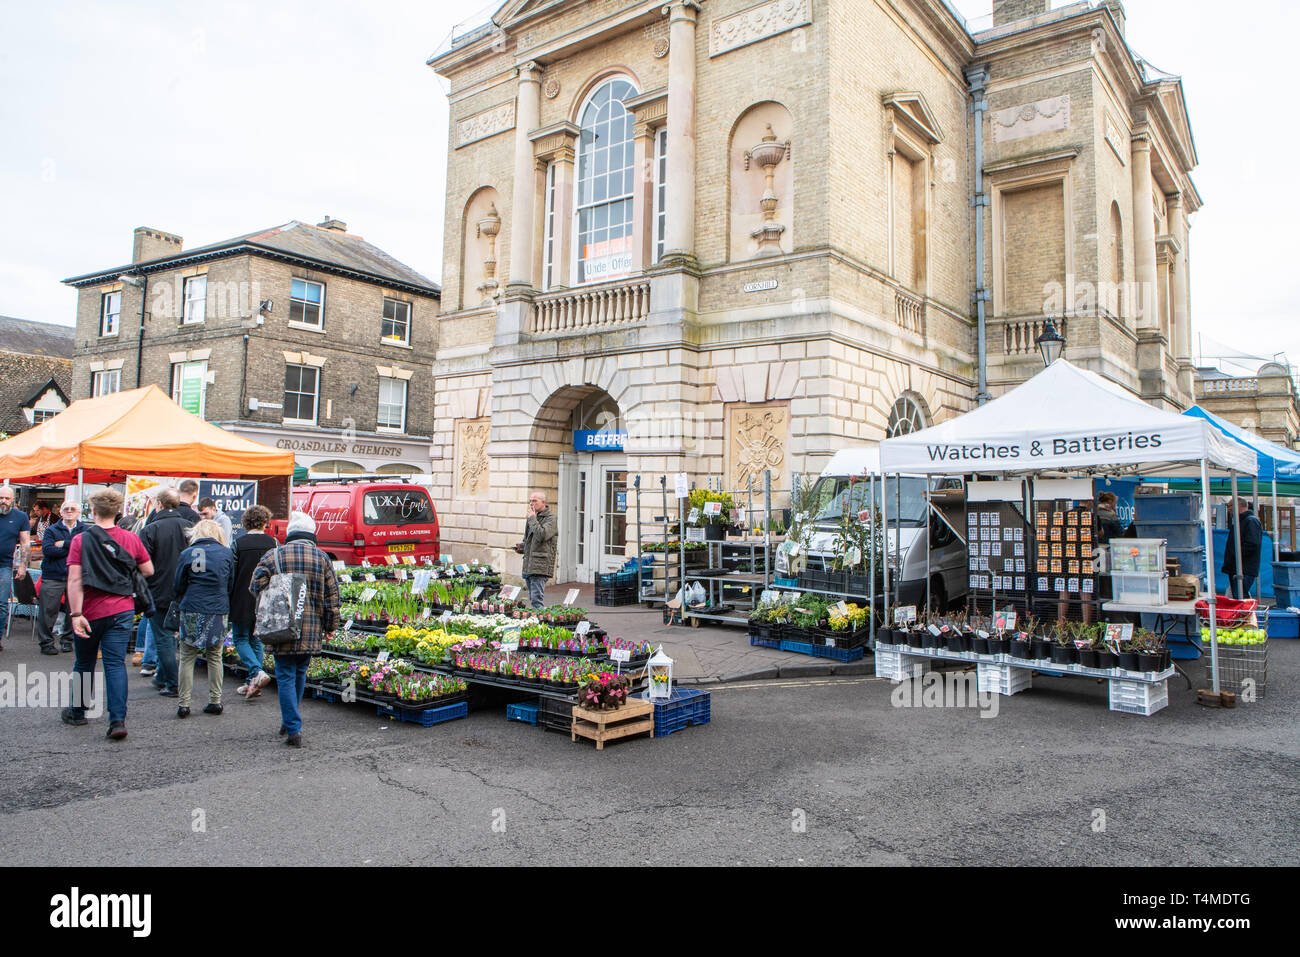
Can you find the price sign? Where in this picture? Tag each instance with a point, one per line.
(681, 485)
(693, 517)
(365, 563)
(368, 593)
(982, 633)
(408, 559)
(904, 614)
(830, 642)
(463, 569)
(346, 578)
(1011, 619)
(370, 576)
(934, 630)
(571, 596)
(383, 656)
(864, 516)
(583, 628)
(766, 595)
(338, 566)
(621, 655)
(390, 559)
(473, 596)
(427, 612)
(793, 596)
(445, 559)
(445, 616)
(510, 641)
(712, 509)
(839, 609)
(428, 560)
(794, 548)
(421, 583)
(510, 593)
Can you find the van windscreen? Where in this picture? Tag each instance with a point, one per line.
(397, 507)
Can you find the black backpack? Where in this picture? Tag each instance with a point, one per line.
(120, 560)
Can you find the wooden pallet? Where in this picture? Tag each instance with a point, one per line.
(635, 717)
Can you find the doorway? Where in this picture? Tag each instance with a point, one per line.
(593, 520)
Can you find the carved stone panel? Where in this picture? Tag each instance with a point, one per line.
(757, 440)
(498, 119)
(1043, 116)
(472, 466)
(758, 23)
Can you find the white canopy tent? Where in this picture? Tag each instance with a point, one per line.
(1067, 420)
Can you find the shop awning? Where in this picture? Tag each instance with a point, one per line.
(1066, 419)
(138, 432)
(1270, 457)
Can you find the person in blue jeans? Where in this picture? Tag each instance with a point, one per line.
(101, 604)
(317, 615)
(144, 645)
(249, 549)
(165, 537)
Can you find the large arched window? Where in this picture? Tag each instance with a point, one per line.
(604, 184)
(908, 415)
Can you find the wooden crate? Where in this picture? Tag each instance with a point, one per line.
(635, 717)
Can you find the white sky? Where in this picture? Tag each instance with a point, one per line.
(211, 124)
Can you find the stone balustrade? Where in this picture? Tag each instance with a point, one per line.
(909, 312)
(591, 308)
(1220, 386)
(1020, 336)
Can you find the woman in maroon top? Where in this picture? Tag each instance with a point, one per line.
(102, 620)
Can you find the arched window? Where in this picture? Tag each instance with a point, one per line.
(604, 184)
(907, 415)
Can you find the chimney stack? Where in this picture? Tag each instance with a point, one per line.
(1009, 11)
(335, 224)
(150, 243)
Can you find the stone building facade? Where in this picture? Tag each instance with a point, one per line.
(1265, 403)
(732, 237)
(301, 337)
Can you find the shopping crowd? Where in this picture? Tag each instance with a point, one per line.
(192, 576)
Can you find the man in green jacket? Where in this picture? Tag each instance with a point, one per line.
(541, 540)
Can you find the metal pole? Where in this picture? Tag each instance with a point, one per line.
(898, 529)
(1277, 528)
(929, 601)
(81, 490)
(1236, 540)
(1209, 574)
(767, 528)
(871, 587)
(884, 541)
(681, 556)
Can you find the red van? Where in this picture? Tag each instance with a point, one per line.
(368, 520)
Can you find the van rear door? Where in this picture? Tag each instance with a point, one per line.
(398, 521)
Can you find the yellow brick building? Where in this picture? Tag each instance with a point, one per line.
(747, 234)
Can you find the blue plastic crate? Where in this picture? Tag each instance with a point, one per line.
(1286, 574)
(1283, 624)
(764, 642)
(1176, 507)
(839, 654)
(1191, 561)
(430, 716)
(1188, 534)
(798, 647)
(522, 711)
(785, 582)
(686, 706)
(1286, 597)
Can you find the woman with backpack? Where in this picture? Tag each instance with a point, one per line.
(249, 549)
(202, 587)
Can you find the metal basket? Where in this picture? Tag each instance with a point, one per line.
(1242, 666)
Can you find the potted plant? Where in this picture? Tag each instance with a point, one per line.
(1128, 655)
(1086, 642)
(714, 524)
(1063, 650)
(1152, 653)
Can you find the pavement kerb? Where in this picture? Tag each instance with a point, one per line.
(818, 670)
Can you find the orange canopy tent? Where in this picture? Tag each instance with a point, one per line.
(139, 432)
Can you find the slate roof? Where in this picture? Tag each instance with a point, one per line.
(313, 246)
(23, 379)
(36, 338)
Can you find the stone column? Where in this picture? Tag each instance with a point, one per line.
(643, 196)
(679, 238)
(1144, 236)
(522, 226)
(561, 269)
(1182, 344)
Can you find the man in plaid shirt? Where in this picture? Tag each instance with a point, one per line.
(299, 555)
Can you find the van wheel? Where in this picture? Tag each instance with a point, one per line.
(938, 597)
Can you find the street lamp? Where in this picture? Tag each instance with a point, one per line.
(1050, 344)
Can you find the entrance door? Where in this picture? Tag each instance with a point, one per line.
(612, 516)
(593, 515)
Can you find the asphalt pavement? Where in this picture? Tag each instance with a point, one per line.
(789, 771)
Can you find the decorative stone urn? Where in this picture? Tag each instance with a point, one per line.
(767, 156)
(489, 226)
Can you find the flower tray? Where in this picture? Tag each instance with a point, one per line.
(522, 711)
(428, 717)
(844, 655)
(439, 702)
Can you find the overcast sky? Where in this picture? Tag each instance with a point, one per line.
(216, 120)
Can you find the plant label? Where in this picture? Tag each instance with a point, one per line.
(445, 559)
(427, 612)
(365, 563)
(934, 630)
(370, 576)
(621, 655)
(445, 616)
(408, 559)
(401, 574)
(582, 628)
(571, 596)
(1011, 619)
(712, 509)
(681, 485)
(794, 549)
(840, 609)
(793, 596)
(463, 569)
(390, 559)
(473, 596)
(510, 645)
(421, 582)
(428, 560)
(982, 633)
(383, 656)
(904, 614)
(766, 596)
(693, 517)
(510, 593)
(346, 579)
(830, 642)
(347, 625)
(368, 593)
(338, 566)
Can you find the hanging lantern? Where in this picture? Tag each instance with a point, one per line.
(660, 670)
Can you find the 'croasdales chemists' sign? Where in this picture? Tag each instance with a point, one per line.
(339, 448)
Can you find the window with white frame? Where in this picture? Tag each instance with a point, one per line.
(105, 383)
(307, 303)
(110, 311)
(392, 403)
(548, 253)
(606, 167)
(196, 300)
(190, 386)
(397, 321)
(301, 394)
(42, 415)
(661, 192)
